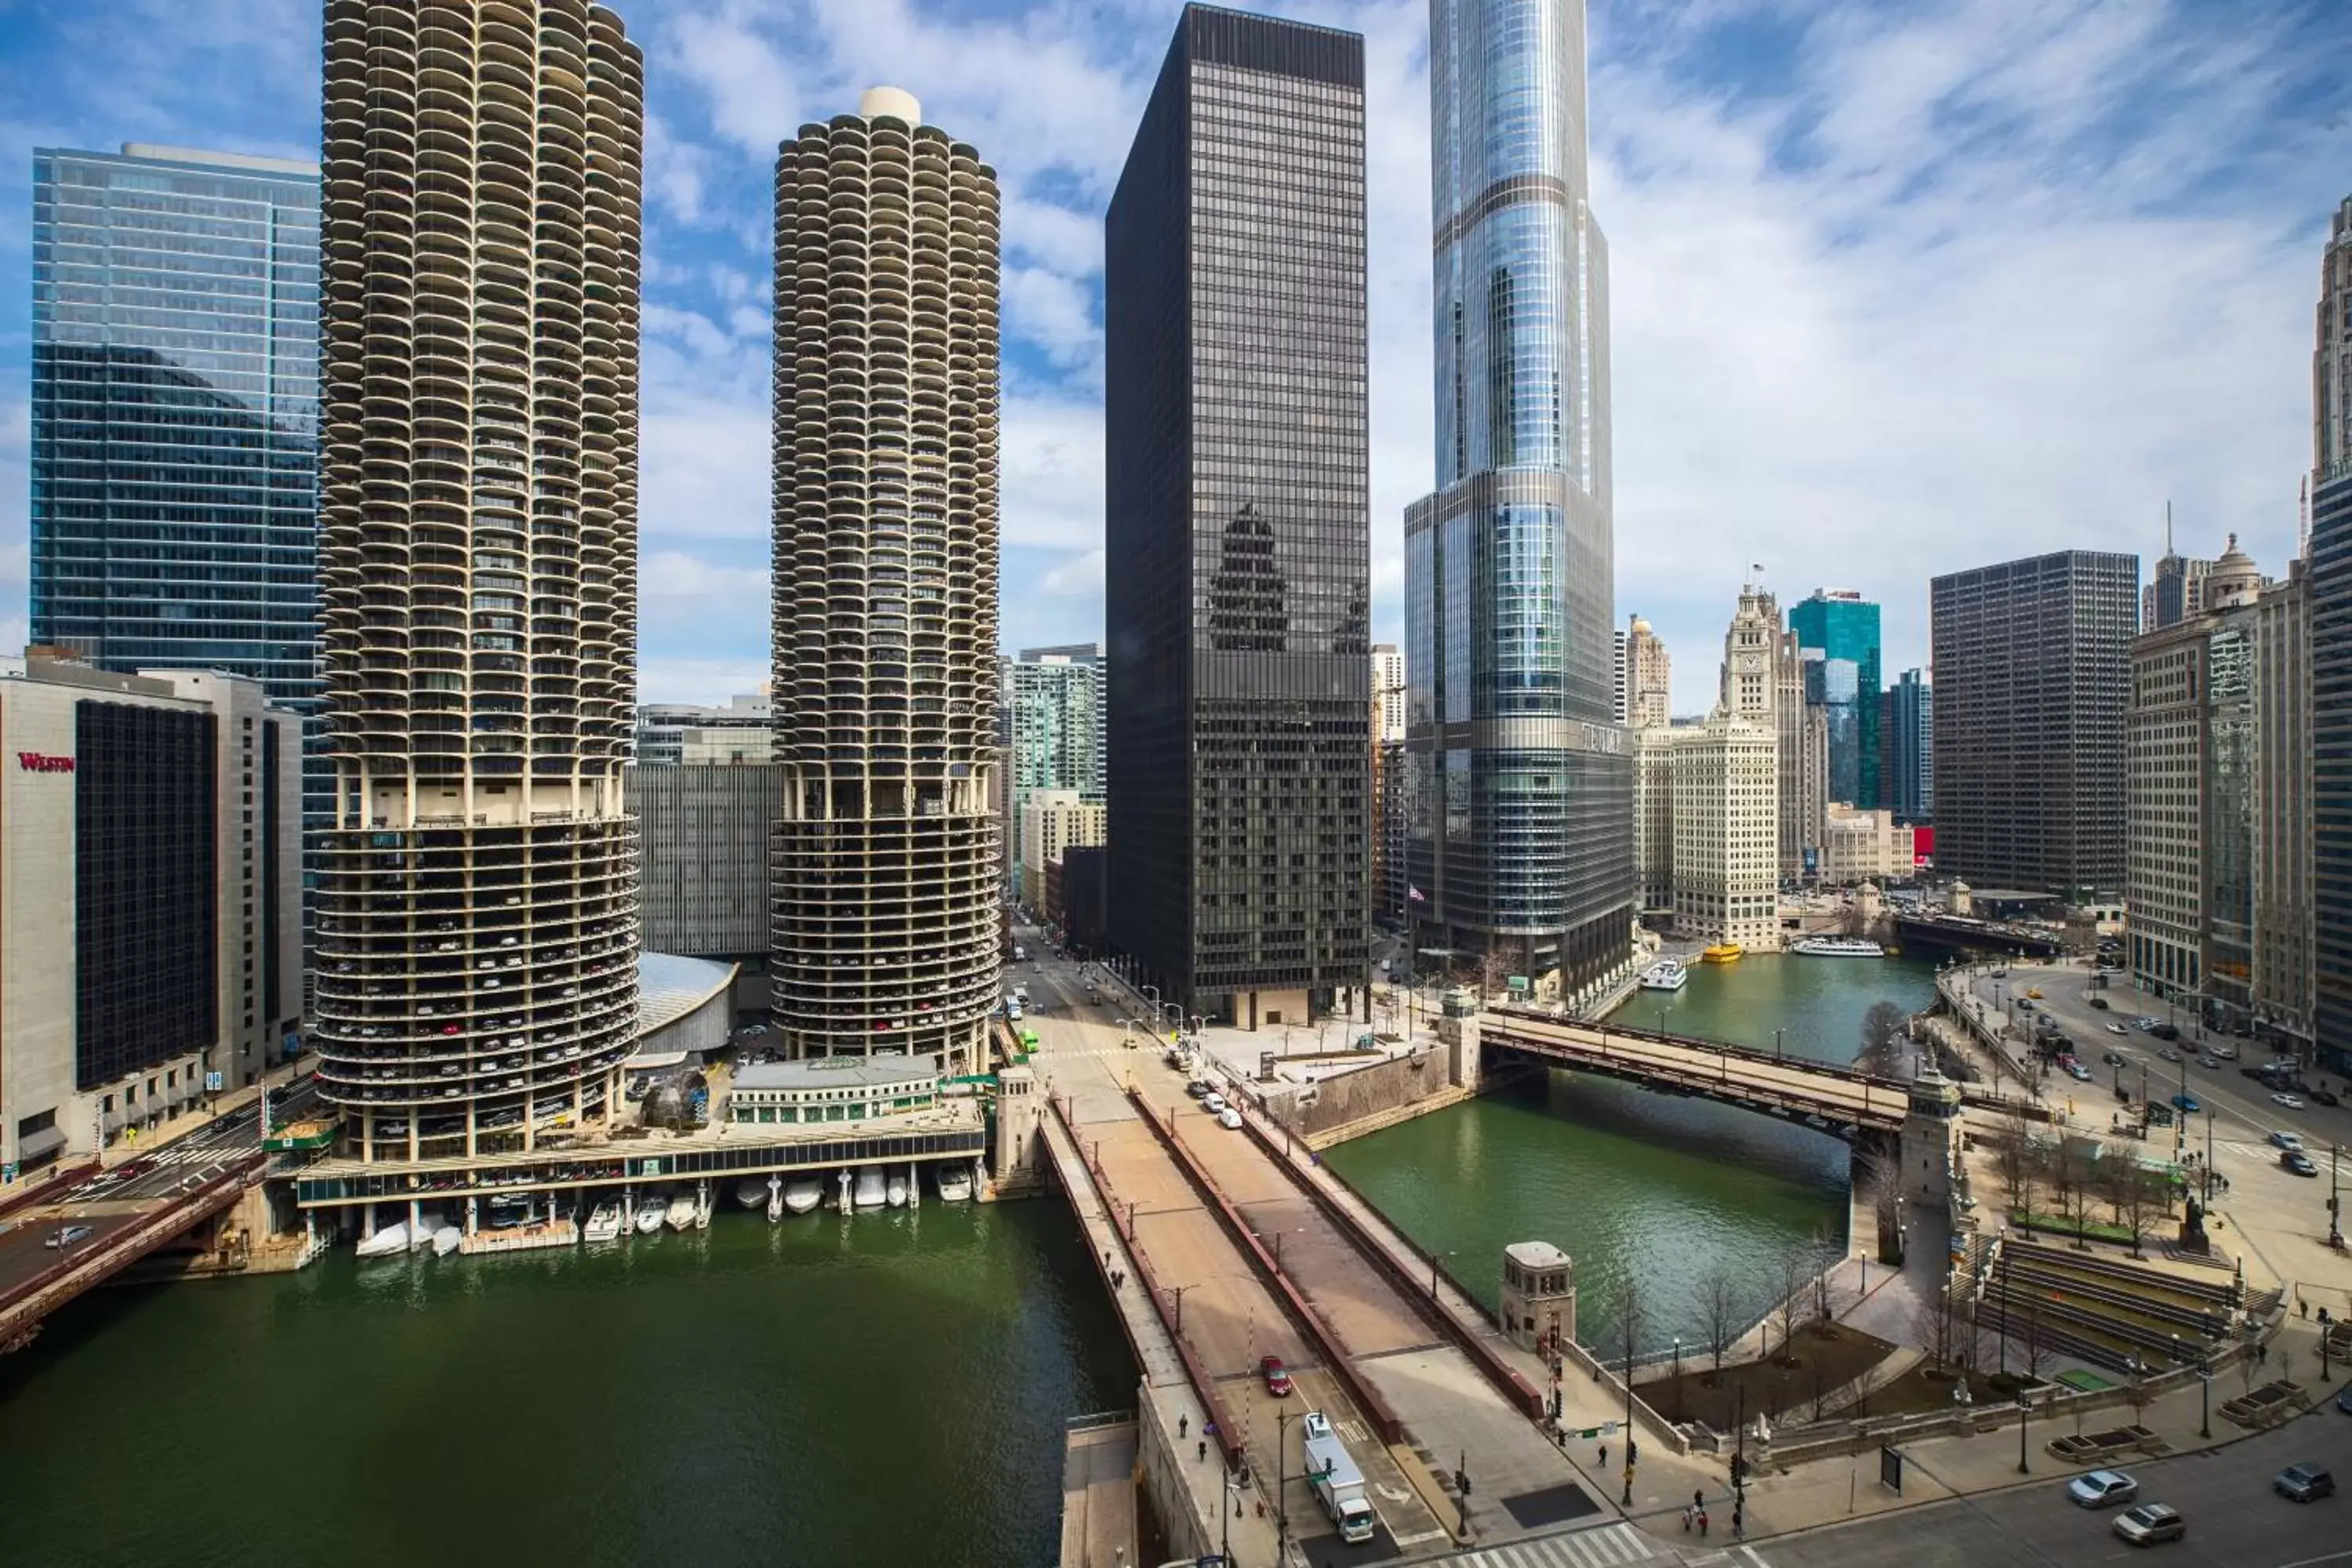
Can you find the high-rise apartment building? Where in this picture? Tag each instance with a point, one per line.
(1649, 678)
(2331, 355)
(2192, 788)
(1239, 593)
(887, 892)
(1055, 699)
(1509, 565)
(2331, 763)
(2032, 678)
(1910, 735)
(1388, 693)
(477, 563)
(175, 413)
(1838, 629)
(1055, 820)
(2282, 806)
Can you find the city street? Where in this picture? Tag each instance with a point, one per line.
(2234, 1520)
(106, 1204)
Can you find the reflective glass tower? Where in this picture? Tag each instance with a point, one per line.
(175, 413)
(1522, 844)
(1238, 596)
(1837, 630)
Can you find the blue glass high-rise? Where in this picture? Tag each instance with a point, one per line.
(174, 413)
(1841, 626)
(1520, 846)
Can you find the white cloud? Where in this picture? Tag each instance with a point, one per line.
(1080, 575)
(704, 469)
(1052, 464)
(749, 88)
(1055, 312)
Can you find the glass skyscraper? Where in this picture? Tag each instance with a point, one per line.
(1838, 631)
(1238, 597)
(1521, 845)
(175, 413)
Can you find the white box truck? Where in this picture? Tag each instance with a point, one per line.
(1338, 1485)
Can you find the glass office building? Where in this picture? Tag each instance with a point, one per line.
(1238, 597)
(175, 413)
(1838, 631)
(1521, 846)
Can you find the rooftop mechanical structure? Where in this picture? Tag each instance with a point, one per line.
(887, 883)
(477, 936)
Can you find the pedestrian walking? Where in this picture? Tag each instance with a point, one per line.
(1201, 1451)
(1605, 1456)
(1686, 1519)
(1702, 1524)
(1698, 1499)
(1183, 1427)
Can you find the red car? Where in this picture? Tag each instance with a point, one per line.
(1277, 1379)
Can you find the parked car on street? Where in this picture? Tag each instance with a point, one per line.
(1230, 1119)
(2149, 1523)
(2103, 1489)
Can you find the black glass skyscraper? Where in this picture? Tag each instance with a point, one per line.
(1238, 594)
(175, 413)
(1520, 846)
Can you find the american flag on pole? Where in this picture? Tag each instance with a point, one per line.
(1415, 894)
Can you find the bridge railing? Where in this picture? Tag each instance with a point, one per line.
(1735, 1052)
(28, 1302)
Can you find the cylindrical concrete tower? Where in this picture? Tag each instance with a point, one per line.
(478, 935)
(887, 915)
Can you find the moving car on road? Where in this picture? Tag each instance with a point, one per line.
(2169, 1054)
(2304, 1483)
(2149, 1523)
(2186, 1102)
(1277, 1377)
(2282, 1138)
(1230, 1119)
(2297, 1161)
(2114, 1028)
(65, 1237)
(2292, 1101)
(2103, 1489)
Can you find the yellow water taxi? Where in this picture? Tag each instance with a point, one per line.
(1722, 952)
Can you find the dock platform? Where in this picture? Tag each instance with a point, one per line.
(521, 1238)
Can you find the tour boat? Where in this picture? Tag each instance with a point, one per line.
(604, 1224)
(896, 1192)
(751, 1193)
(1723, 953)
(680, 1214)
(1837, 947)
(650, 1213)
(1666, 974)
(446, 1239)
(872, 1191)
(801, 1195)
(391, 1239)
(955, 1183)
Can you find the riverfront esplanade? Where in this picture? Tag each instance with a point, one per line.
(477, 936)
(886, 933)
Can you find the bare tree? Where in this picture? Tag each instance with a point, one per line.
(1791, 1306)
(1882, 1027)
(2138, 1202)
(2066, 1174)
(1936, 1323)
(2036, 1353)
(1631, 1314)
(1825, 1284)
(1720, 1304)
(2016, 1159)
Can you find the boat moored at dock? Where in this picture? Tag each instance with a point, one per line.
(1666, 974)
(1722, 952)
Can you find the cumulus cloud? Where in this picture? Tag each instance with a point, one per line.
(1081, 574)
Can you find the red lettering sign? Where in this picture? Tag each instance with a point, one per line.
(38, 762)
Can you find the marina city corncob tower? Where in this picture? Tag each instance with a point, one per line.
(887, 924)
(477, 936)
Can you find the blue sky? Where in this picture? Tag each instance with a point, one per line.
(1898, 288)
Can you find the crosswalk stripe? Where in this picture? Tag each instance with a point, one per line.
(1610, 1546)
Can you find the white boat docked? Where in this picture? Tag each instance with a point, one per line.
(872, 1191)
(955, 1183)
(1837, 947)
(604, 1224)
(680, 1214)
(1666, 974)
(649, 1214)
(751, 1193)
(896, 1192)
(391, 1239)
(446, 1240)
(800, 1196)
(702, 1206)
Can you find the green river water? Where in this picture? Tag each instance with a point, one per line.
(888, 1390)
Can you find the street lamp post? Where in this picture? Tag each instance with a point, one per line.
(1627, 1500)
(1281, 1478)
(1177, 1290)
(1776, 1044)
(2205, 1394)
(2024, 1411)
